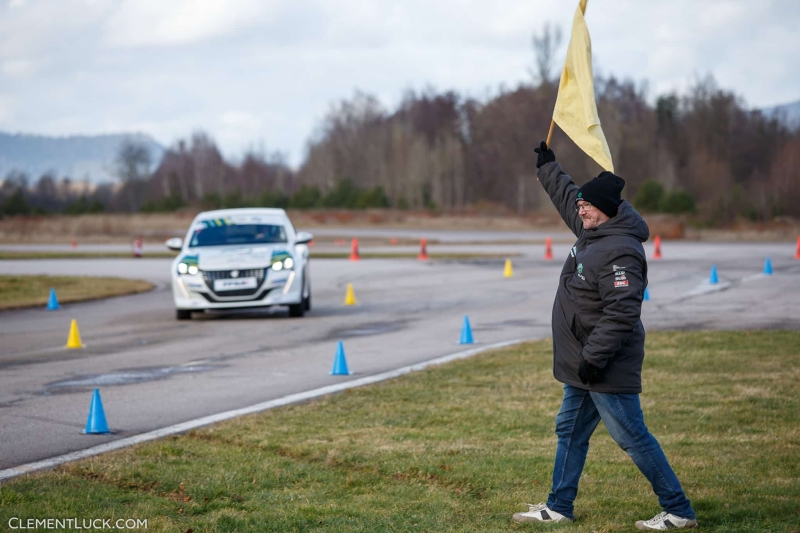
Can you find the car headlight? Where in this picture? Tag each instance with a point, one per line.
(286, 264)
(184, 268)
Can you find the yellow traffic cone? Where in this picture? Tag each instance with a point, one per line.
(350, 297)
(74, 339)
(508, 272)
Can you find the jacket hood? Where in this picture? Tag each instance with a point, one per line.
(627, 221)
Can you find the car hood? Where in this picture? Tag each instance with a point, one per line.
(237, 257)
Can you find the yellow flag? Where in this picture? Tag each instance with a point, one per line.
(576, 111)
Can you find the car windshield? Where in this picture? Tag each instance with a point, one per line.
(238, 234)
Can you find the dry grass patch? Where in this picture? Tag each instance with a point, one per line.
(34, 291)
(25, 255)
(120, 227)
(441, 256)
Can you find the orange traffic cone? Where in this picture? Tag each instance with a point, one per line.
(137, 247)
(423, 250)
(797, 253)
(657, 248)
(74, 243)
(548, 249)
(354, 255)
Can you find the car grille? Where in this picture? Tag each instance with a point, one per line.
(211, 275)
(235, 293)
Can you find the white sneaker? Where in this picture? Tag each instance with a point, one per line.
(665, 520)
(540, 513)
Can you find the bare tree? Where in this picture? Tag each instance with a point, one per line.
(132, 167)
(133, 161)
(47, 193)
(545, 47)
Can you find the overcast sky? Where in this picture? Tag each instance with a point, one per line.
(262, 73)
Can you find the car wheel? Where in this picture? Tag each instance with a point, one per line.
(307, 301)
(297, 310)
(183, 314)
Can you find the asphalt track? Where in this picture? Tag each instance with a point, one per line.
(154, 371)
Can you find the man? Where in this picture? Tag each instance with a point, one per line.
(598, 344)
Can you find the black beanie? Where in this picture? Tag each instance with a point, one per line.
(603, 192)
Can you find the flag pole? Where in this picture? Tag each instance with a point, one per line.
(550, 133)
(552, 121)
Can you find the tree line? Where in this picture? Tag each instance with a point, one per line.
(703, 152)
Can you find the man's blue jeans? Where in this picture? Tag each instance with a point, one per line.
(580, 413)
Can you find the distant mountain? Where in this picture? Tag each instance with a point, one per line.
(81, 157)
(789, 114)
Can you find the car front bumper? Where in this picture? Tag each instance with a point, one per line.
(193, 293)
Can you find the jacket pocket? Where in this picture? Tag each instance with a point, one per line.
(578, 330)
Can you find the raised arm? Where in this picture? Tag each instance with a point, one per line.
(562, 191)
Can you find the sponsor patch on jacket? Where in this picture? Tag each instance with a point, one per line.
(580, 270)
(623, 283)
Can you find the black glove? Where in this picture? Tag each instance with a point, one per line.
(545, 155)
(589, 374)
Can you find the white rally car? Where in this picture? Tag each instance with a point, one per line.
(235, 258)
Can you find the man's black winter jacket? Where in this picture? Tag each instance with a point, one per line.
(596, 314)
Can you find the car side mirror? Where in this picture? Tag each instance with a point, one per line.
(303, 237)
(175, 243)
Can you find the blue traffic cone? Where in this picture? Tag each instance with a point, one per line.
(52, 303)
(646, 294)
(768, 267)
(340, 362)
(713, 279)
(466, 332)
(96, 424)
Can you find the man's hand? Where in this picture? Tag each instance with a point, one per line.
(545, 155)
(589, 374)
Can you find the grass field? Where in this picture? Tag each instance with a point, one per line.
(125, 227)
(460, 448)
(431, 255)
(31, 291)
(319, 255)
(6, 255)
(157, 227)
